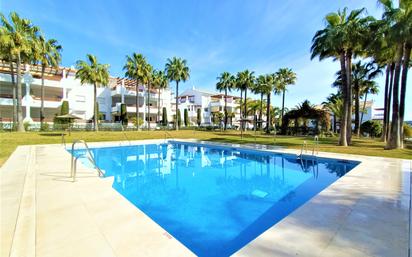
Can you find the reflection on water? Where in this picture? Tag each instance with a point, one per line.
(215, 200)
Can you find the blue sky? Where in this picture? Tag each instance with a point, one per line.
(213, 36)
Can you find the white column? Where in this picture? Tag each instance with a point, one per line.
(144, 105)
(122, 89)
(28, 79)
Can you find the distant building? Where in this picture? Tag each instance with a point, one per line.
(61, 85)
(371, 112)
(208, 102)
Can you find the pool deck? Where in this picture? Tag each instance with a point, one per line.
(43, 213)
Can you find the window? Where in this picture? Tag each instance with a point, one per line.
(206, 109)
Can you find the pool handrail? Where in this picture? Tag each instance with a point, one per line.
(90, 157)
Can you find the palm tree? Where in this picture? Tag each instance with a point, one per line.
(225, 83)
(334, 104)
(342, 38)
(266, 84)
(368, 87)
(399, 22)
(148, 81)
(286, 77)
(137, 69)
(259, 88)
(19, 34)
(245, 80)
(47, 53)
(362, 76)
(176, 70)
(253, 107)
(5, 54)
(94, 73)
(160, 82)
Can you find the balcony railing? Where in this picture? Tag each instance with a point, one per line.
(49, 98)
(6, 96)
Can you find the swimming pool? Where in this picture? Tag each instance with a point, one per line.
(215, 199)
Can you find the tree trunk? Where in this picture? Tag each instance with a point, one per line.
(158, 107)
(283, 105)
(261, 112)
(245, 110)
(268, 114)
(363, 108)
(392, 77)
(13, 84)
(95, 119)
(240, 109)
(20, 126)
(357, 109)
(406, 60)
(137, 105)
(385, 111)
(394, 141)
(225, 108)
(343, 121)
(148, 106)
(349, 97)
(177, 106)
(43, 68)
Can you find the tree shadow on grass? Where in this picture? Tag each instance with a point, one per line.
(54, 134)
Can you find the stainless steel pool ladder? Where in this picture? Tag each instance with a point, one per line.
(315, 145)
(304, 147)
(89, 156)
(315, 149)
(63, 140)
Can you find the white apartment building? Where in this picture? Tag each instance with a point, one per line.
(61, 85)
(208, 102)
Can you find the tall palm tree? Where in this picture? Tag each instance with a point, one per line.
(136, 68)
(225, 83)
(47, 53)
(266, 84)
(286, 77)
(245, 80)
(259, 88)
(342, 38)
(148, 81)
(399, 21)
(160, 82)
(19, 34)
(94, 73)
(5, 54)
(362, 77)
(177, 70)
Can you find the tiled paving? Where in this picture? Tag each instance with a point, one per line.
(43, 213)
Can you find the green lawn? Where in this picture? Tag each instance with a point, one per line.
(9, 141)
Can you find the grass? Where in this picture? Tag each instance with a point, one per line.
(9, 141)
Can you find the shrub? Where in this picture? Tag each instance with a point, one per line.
(64, 109)
(26, 125)
(135, 123)
(407, 130)
(44, 126)
(372, 127)
(179, 119)
(164, 116)
(186, 117)
(123, 114)
(199, 117)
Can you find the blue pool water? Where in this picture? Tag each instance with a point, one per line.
(213, 199)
